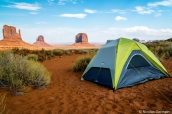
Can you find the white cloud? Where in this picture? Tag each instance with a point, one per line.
(33, 13)
(50, 2)
(79, 15)
(119, 18)
(25, 6)
(162, 3)
(157, 15)
(159, 10)
(118, 11)
(90, 11)
(63, 2)
(41, 23)
(73, 1)
(143, 10)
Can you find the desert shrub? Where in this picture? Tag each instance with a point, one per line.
(169, 50)
(162, 49)
(82, 51)
(165, 55)
(68, 52)
(15, 50)
(81, 63)
(43, 54)
(33, 57)
(85, 51)
(17, 72)
(16, 84)
(40, 77)
(41, 57)
(48, 54)
(58, 52)
(35, 51)
(24, 52)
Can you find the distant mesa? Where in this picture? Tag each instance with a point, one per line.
(40, 42)
(136, 39)
(109, 41)
(40, 38)
(12, 39)
(81, 39)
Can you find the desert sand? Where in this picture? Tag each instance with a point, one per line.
(67, 94)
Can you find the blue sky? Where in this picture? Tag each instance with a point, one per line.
(60, 20)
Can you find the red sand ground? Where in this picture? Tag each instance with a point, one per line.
(67, 94)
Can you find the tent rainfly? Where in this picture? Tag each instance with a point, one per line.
(123, 63)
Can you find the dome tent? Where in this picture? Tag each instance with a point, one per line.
(122, 63)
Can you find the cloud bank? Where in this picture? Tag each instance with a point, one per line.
(95, 34)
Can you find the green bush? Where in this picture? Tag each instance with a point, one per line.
(68, 52)
(35, 51)
(33, 57)
(58, 52)
(17, 72)
(15, 50)
(42, 51)
(81, 63)
(16, 84)
(81, 51)
(24, 51)
(49, 54)
(39, 76)
(41, 57)
(162, 49)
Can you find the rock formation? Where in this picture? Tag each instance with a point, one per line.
(9, 32)
(12, 39)
(40, 42)
(81, 39)
(40, 38)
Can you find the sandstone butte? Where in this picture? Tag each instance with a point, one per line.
(81, 39)
(12, 39)
(40, 42)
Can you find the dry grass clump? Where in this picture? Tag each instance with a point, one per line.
(68, 52)
(17, 72)
(58, 52)
(162, 49)
(82, 62)
(2, 103)
(85, 51)
(33, 57)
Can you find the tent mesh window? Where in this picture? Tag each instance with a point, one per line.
(138, 70)
(138, 61)
(100, 76)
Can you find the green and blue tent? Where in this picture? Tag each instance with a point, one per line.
(123, 63)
